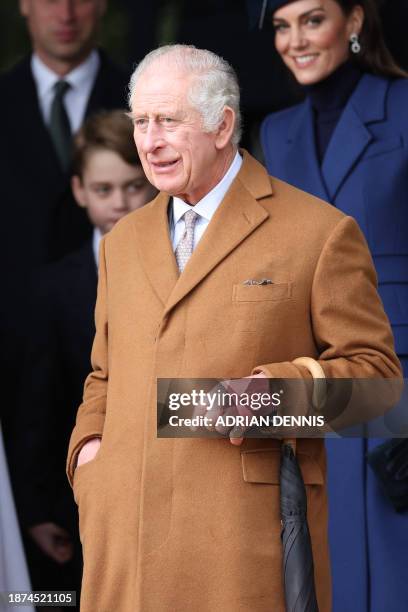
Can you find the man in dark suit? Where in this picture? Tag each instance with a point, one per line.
(43, 101)
(39, 218)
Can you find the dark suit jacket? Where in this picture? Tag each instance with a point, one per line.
(40, 221)
(60, 342)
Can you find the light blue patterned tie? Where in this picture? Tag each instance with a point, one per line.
(185, 246)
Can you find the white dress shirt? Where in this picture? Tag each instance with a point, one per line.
(205, 208)
(96, 240)
(81, 80)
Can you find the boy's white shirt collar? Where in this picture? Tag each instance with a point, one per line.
(96, 241)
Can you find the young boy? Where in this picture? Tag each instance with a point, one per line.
(108, 177)
(108, 182)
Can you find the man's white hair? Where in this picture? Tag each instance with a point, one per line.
(215, 87)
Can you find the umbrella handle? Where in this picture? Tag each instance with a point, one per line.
(319, 394)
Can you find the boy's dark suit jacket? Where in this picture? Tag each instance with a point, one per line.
(40, 221)
(61, 340)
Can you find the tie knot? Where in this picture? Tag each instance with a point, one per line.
(190, 218)
(61, 87)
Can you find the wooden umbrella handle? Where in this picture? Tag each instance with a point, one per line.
(319, 394)
(319, 388)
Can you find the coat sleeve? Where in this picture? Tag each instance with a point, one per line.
(91, 414)
(351, 330)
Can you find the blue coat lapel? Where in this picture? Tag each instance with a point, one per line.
(302, 164)
(352, 136)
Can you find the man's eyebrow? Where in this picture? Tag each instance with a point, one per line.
(316, 8)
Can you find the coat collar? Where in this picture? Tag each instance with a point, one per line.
(352, 134)
(366, 105)
(302, 164)
(238, 215)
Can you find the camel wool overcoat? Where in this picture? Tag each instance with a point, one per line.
(176, 525)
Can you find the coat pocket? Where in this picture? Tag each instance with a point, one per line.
(259, 293)
(82, 474)
(262, 466)
(255, 306)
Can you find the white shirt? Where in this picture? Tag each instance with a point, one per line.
(205, 208)
(81, 80)
(96, 240)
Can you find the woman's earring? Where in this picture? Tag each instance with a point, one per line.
(355, 43)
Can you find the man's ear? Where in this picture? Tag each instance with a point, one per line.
(78, 191)
(225, 129)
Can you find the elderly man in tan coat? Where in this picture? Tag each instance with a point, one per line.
(175, 525)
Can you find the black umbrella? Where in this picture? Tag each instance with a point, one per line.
(298, 572)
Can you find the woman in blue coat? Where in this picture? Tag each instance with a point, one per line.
(347, 143)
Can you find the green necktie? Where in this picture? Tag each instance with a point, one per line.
(60, 128)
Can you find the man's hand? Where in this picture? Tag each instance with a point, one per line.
(238, 386)
(88, 451)
(237, 441)
(53, 540)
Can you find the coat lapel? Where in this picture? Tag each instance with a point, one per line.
(349, 141)
(237, 217)
(302, 164)
(351, 135)
(155, 248)
(35, 133)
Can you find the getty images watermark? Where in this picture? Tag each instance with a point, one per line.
(256, 407)
(219, 404)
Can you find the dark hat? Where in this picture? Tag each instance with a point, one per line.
(259, 9)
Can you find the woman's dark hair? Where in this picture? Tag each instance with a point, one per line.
(374, 56)
(107, 130)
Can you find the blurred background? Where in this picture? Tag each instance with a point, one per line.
(130, 29)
